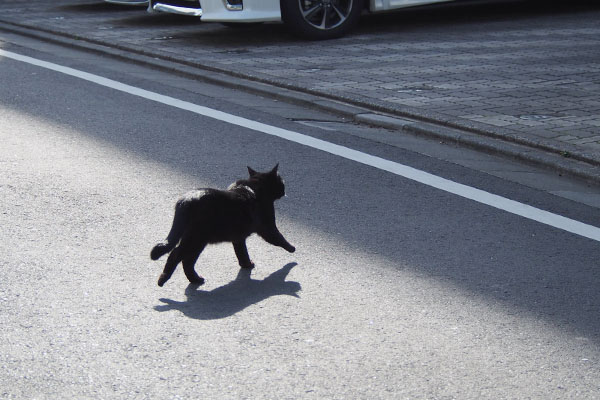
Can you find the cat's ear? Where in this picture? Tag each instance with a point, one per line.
(274, 170)
(251, 172)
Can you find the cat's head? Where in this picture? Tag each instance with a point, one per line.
(271, 184)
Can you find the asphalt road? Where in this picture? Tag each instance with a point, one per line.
(526, 71)
(396, 290)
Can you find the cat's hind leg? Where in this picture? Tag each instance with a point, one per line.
(242, 254)
(171, 264)
(188, 266)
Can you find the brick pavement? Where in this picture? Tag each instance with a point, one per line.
(505, 69)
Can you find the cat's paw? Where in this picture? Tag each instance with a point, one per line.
(162, 279)
(248, 265)
(197, 281)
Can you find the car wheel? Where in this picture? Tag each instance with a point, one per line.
(321, 19)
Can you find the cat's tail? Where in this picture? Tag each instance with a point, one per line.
(175, 234)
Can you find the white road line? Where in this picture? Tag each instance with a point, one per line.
(480, 196)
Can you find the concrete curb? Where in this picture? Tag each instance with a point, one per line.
(565, 160)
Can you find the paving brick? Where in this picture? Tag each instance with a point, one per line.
(490, 71)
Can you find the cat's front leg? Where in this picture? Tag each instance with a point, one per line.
(276, 239)
(242, 254)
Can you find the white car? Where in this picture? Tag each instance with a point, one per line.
(313, 19)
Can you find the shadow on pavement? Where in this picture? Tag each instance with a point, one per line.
(98, 6)
(234, 297)
(462, 14)
(160, 20)
(212, 34)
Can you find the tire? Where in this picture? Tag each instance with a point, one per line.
(321, 19)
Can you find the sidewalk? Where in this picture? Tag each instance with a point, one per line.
(465, 72)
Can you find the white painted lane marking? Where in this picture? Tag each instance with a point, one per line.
(480, 196)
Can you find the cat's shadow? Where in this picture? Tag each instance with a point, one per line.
(233, 297)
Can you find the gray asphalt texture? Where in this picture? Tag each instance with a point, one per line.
(396, 290)
(522, 71)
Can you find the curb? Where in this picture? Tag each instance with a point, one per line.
(567, 159)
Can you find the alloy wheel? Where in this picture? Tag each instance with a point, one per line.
(325, 14)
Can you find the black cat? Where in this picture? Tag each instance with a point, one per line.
(206, 216)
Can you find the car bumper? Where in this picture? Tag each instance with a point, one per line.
(222, 10)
